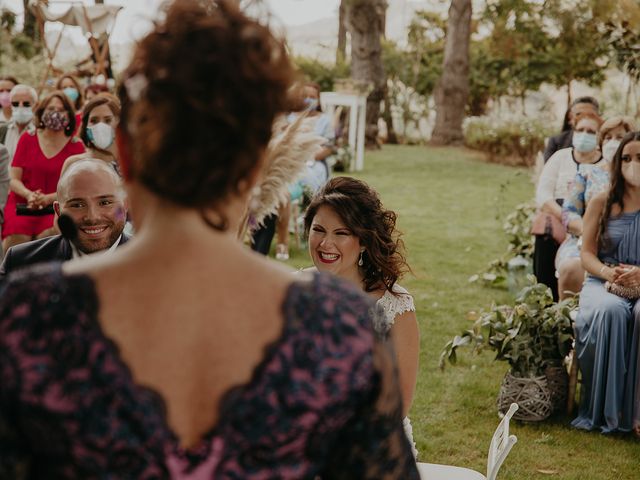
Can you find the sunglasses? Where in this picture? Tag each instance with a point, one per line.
(17, 104)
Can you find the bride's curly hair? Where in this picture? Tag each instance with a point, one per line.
(362, 212)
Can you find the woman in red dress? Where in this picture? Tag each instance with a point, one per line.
(36, 169)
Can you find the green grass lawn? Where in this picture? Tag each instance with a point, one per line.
(450, 206)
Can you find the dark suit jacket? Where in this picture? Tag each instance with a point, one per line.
(564, 140)
(50, 249)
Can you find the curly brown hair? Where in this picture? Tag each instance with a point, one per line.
(42, 105)
(362, 212)
(616, 190)
(198, 102)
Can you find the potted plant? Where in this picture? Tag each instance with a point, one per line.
(534, 336)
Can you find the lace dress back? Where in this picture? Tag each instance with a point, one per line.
(324, 402)
(393, 305)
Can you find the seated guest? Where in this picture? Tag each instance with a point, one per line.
(6, 84)
(352, 236)
(23, 103)
(90, 193)
(35, 171)
(579, 107)
(590, 180)
(609, 313)
(553, 187)
(184, 354)
(100, 116)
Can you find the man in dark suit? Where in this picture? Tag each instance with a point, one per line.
(89, 193)
(579, 107)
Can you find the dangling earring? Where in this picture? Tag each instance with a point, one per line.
(360, 262)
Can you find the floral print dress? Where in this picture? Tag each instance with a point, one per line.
(590, 180)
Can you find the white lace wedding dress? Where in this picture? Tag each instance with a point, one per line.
(393, 306)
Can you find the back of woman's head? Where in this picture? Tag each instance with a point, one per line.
(199, 99)
(616, 188)
(360, 209)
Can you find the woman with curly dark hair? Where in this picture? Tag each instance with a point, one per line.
(608, 321)
(183, 354)
(354, 237)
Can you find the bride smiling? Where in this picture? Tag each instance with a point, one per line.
(352, 236)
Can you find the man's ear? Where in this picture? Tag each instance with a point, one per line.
(56, 207)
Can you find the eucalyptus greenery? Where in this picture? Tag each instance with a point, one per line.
(517, 227)
(530, 335)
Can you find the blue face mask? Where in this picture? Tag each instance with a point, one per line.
(311, 103)
(71, 93)
(584, 141)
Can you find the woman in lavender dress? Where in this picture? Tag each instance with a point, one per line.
(607, 326)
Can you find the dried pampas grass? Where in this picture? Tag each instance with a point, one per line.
(287, 153)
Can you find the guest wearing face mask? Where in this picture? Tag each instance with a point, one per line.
(317, 172)
(553, 188)
(23, 100)
(579, 107)
(72, 89)
(35, 171)
(100, 116)
(608, 322)
(6, 84)
(590, 180)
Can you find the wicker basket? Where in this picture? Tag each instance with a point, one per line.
(531, 394)
(558, 382)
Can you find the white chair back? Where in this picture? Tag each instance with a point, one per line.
(501, 444)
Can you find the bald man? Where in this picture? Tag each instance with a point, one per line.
(90, 193)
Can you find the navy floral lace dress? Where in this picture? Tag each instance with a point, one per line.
(324, 401)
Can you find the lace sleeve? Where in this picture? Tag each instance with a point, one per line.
(373, 445)
(393, 305)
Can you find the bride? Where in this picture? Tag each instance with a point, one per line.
(352, 236)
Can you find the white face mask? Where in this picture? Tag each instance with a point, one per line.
(21, 115)
(101, 135)
(631, 173)
(609, 149)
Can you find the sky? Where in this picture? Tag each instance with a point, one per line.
(133, 20)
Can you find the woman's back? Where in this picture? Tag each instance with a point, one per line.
(246, 384)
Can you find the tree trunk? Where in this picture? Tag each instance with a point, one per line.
(452, 92)
(364, 21)
(99, 2)
(30, 28)
(392, 137)
(341, 52)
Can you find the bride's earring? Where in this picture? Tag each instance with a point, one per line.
(360, 262)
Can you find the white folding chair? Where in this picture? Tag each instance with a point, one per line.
(501, 445)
